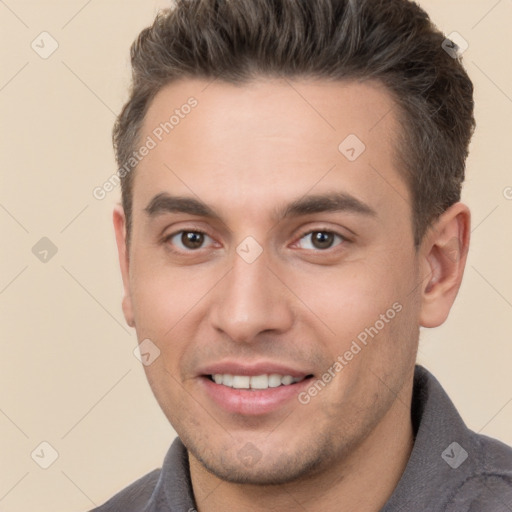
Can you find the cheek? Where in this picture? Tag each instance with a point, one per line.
(170, 393)
(163, 295)
(349, 298)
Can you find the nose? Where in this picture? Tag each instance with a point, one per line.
(251, 300)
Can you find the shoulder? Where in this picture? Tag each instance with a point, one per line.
(167, 488)
(488, 488)
(451, 468)
(134, 497)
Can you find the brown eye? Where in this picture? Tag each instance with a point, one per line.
(187, 241)
(192, 239)
(320, 240)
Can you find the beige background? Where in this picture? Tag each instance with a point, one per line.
(68, 375)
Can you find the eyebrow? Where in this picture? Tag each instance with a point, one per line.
(331, 202)
(165, 203)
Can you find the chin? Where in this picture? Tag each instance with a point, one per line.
(250, 466)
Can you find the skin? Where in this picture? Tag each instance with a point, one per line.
(247, 151)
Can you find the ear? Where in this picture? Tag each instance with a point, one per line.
(120, 230)
(443, 255)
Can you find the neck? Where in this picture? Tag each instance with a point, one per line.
(362, 481)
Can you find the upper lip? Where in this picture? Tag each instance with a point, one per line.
(252, 369)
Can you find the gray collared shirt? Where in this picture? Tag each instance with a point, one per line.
(451, 468)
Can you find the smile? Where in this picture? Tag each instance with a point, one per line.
(259, 382)
(253, 395)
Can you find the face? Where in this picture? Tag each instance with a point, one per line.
(266, 243)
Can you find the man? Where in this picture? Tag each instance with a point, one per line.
(291, 175)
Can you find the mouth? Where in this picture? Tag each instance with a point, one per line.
(255, 382)
(253, 395)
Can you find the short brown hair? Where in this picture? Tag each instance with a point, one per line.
(391, 41)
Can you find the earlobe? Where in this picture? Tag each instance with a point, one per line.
(124, 263)
(444, 251)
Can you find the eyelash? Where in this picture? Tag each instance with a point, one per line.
(167, 238)
(343, 238)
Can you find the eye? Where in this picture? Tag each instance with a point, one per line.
(320, 240)
(188, 240)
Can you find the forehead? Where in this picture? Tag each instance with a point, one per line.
(274, 137)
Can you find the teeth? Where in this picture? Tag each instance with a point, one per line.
(259, 382)
(241, 381)
(274, 380)
(256, 382)
(286, 380)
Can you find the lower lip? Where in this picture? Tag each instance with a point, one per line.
(252, 402)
